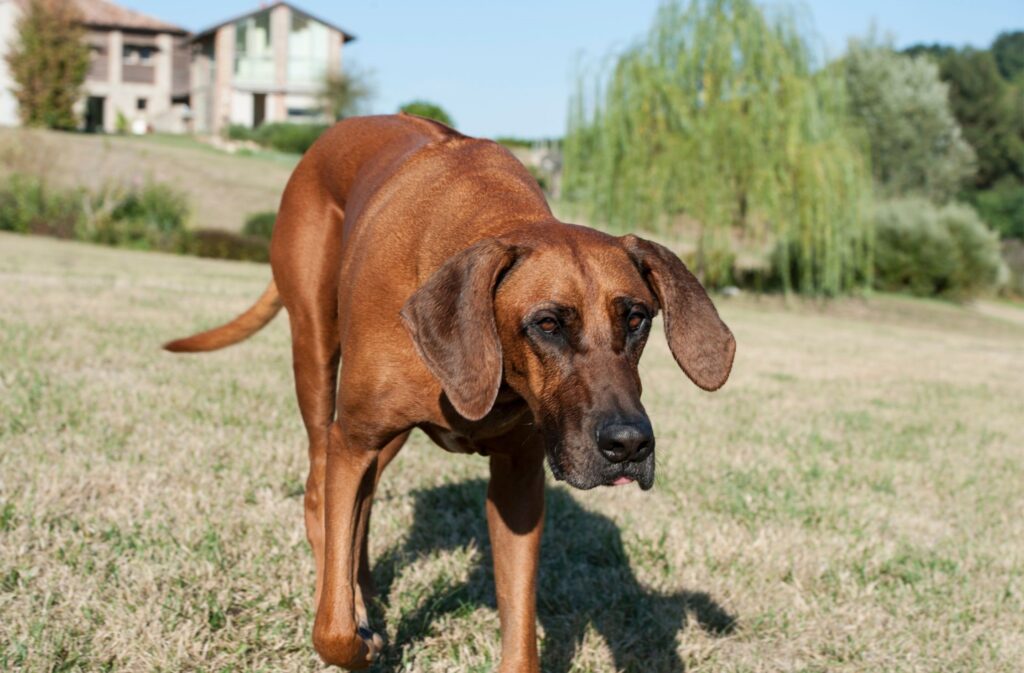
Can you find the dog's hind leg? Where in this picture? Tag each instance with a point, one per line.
(308, 220)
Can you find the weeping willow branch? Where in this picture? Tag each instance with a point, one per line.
(721, 115)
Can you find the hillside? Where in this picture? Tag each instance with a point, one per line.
(222, 188)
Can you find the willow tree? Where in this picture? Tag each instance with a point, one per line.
(722, 115)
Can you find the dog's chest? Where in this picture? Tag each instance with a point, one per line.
(452, 441)
(463, 436)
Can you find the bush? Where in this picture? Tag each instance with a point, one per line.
(260, 225)
(287, 137)
(239, 132)
(281, 136)
(1002, 207)
(28, 206)
(928, 250)
(220, 244)
(151, 217)
(979, 263)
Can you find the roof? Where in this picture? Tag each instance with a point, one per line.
(345, 35)
(104, 14)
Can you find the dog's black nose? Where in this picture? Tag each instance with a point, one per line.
(619, 442)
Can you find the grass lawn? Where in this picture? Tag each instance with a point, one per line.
(222, 188)
(852, 500)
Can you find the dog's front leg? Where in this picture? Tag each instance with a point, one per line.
(515, 519)
(339, 634)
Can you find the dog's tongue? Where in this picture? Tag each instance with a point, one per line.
(622, 481)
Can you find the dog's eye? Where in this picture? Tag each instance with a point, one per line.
(636, 321)
(548, 325)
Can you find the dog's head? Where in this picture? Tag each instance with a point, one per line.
(562, 318)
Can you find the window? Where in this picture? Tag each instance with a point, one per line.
(136, 55)
(140, 104)
(305, 114)
(307, 50)
(254, 56)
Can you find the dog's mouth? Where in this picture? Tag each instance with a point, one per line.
(641, 473)
(594, 471)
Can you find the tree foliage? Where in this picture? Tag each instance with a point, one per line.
(916, 143)
(987, 107)
(720, 115)
(990, 115)
(1008, 50)
(345, 93)
(48, 63)
(425, 108)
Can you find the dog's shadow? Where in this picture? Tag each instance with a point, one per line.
(585, 581)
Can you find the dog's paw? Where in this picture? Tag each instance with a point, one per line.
(353, 651)
(373, 640)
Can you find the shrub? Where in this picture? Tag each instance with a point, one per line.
(978, 260)
(928, 250)
(160, 206)
(260, 225)
(281, 136)
(288, 137)
(29, 206)
(152, 216)
(1002, 207)
(220, 244)
(239, 132)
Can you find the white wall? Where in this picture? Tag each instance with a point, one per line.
(241, 107)
(9, 13)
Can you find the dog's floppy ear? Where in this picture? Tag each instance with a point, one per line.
(451, 321)
(700, 342)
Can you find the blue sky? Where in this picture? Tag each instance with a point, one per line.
(505, 68)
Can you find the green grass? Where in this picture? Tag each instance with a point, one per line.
(850, 501)
(191, 142)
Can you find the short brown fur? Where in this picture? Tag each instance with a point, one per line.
(430, 263)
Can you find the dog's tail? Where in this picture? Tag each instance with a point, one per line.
(239, 329)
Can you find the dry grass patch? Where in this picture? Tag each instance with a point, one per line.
(222, 188)
(851, 501)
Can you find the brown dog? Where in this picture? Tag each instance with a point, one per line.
(431, 264)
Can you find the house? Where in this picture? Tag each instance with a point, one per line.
(265, 66)
(147, 74)
(10, 10)
(138, 70)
